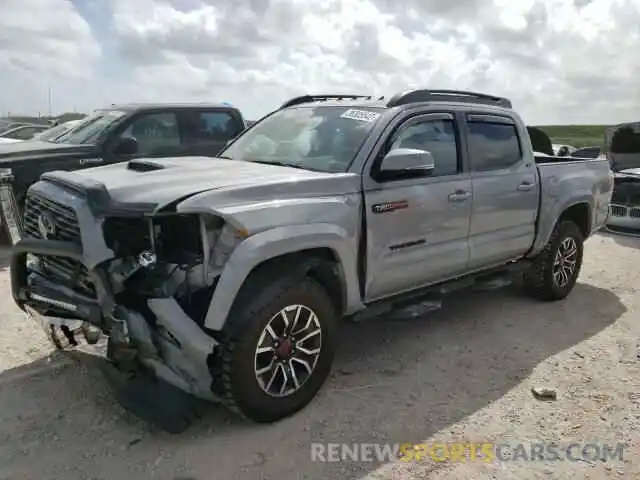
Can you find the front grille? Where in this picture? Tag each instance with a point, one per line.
(65, 220)
(634, 212)
(65, 227)
(618, 211)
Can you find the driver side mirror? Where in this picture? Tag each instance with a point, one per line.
(407, 163)
(126, 146)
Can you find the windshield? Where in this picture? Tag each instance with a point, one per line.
(323, 138)
(90, 128)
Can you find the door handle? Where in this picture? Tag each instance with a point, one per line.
(525, 186)
(459, 196)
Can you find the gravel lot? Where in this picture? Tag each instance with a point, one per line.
(463, 373)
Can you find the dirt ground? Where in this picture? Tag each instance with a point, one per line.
(463, 373)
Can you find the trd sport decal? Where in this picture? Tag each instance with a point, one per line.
(389, 206)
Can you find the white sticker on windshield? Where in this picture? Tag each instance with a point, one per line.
(362, 115)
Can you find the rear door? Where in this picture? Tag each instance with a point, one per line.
(206, 132)
(417, 228)
(505, 190)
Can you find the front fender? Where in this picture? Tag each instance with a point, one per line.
(277, 242)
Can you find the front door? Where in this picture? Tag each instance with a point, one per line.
(505, 191)
(156, 134)
(417, 229)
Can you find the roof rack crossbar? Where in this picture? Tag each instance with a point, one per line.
(415, 96)
(322, 98)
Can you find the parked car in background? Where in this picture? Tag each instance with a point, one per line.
(586, 152)
(562, 150)
(6, 126)
(622, 148)
(115, 134)
(23, 132)
(225, 279)
(540, 141)
(56, 131)
(624, 210)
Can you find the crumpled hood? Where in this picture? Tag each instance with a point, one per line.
(154, 183)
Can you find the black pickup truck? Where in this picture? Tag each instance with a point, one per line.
(111, 135)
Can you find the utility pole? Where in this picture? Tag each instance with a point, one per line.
(49, 101)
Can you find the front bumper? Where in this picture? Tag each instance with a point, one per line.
(68, 318)
(157, 376)
(175, 351)
(624, 219)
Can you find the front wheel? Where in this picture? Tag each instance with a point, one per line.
(277, 349)
(556, 268)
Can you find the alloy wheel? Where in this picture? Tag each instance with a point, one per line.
(565, 261)
(288, 350)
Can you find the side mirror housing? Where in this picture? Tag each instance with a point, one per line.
(126, 146)
(407, 163)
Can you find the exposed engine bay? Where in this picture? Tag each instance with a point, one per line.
(179, 256)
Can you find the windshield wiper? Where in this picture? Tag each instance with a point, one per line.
(280, 164)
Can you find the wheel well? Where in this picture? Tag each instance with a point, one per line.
(579, 214)
(320, 264)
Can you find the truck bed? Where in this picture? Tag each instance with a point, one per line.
(565, 181)
(542, 158)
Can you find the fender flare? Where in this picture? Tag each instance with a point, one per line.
(276, 242)
(545, 233)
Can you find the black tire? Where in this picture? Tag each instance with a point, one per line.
(233, 371)
(539, 279)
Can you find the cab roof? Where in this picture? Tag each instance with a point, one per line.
(407, 97)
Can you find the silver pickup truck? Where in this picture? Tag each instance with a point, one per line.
(225, 279)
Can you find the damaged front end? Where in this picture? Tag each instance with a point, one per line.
(141, 284)
(624, 209)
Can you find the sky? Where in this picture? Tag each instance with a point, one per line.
(559, 61)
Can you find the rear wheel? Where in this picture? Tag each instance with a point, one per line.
(277, 349)
(555, 270)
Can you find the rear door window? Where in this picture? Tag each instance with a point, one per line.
(213, 126)
(493, 145)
